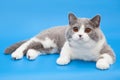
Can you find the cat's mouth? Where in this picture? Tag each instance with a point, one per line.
(80, 38)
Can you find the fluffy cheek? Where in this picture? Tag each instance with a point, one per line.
(75, 37)
(86, 37)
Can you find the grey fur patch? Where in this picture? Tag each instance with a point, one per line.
(57, 34)
(34, 45)
(96, 34)
(69, 33)
(39, 47)
(107, 50)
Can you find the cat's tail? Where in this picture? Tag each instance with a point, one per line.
(13, 47)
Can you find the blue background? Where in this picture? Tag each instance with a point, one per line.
(22, 19)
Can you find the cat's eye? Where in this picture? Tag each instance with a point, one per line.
(87, 30)
(75, 29)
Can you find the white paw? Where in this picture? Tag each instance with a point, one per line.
(17, 55)
(32, 54)
(62, 61)
(102, 64)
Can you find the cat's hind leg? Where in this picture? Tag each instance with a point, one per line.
(19, 52)
(32, 54)
(34, 46)
(30, 44)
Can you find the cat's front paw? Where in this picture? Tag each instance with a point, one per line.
(17, 55)
(32, 54)
(62, 61)
(102, 64)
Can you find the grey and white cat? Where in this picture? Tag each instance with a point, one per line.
(81, 39)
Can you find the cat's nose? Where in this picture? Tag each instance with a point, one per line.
(80, 36)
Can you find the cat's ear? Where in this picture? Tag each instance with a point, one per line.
(96, 20)
(72, 19)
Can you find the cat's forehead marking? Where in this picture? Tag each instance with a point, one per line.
(82, 28)
(83, 21)
(86, 22)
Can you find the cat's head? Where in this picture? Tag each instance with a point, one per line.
(83, 29)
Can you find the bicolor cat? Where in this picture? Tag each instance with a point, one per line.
(82, 39)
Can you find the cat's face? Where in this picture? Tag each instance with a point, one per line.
(83, 29)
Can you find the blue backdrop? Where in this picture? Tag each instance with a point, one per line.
(22, 19)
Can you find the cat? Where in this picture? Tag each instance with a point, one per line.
(82, 39)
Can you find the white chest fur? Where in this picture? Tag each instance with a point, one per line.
(88, 52)
(84, 54)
